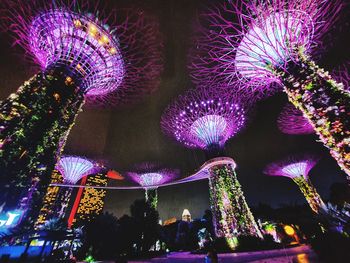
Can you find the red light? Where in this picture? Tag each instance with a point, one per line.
(114, 175)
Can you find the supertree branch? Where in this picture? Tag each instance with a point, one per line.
(292, 121)
(141, 44)
(268, 44)
(297, 168)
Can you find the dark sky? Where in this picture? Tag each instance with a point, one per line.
(124, 136)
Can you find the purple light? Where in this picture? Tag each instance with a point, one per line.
(74, 168)
(342, 75)
(204, 117)
(151, 179)
(246, 40)
(292, 167)
(292, 121)
(63, 38)
(150, 175)
(115, 64)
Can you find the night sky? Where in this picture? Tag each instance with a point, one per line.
(124, 136)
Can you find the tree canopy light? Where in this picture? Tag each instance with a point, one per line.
(297, 168)
(150, 176)
(266, 45)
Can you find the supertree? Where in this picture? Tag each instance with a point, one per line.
(72, 169)
(80, 58)
(297, 168)
(150, 176)
(266, 45)
(206, 118)
(292, 121)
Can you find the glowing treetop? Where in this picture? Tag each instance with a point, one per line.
(152, 175)
(292, 121)
(74, 168)
(297, 168)
(204, 117)
(103, 59)
(248, 39)
(293, 167)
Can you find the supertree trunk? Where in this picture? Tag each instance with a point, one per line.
(324, 102)
(310, 193)
(151, 196)
(231, 214)
(34, 124)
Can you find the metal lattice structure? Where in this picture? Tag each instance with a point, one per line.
(245, 40)
(74, 168)
(204, 117)
(115, 64)
(292, 121)
(266, 45)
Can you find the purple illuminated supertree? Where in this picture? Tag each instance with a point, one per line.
(297, 168)
(81, 58)
(268, 44)
(150, 176)
(292, 121)
(72, 169)
(206, 118)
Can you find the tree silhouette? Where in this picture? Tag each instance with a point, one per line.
(146, 224)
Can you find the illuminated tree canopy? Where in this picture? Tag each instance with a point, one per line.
(204, 117)
(74, 168)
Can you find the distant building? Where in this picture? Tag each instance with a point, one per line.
(89, 201)
(80, 205)
(53, 198)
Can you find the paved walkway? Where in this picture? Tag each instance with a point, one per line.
(301, 254)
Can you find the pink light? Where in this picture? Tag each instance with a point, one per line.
(292, 121)
(246, 41)
(150, 174)
(293, 166)
(295, 169)
(63, 38)
(206, 116)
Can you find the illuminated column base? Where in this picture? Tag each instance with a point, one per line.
(324, 102)
(151, 196)
(310, 193)
(231, 214)
(34, 124)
